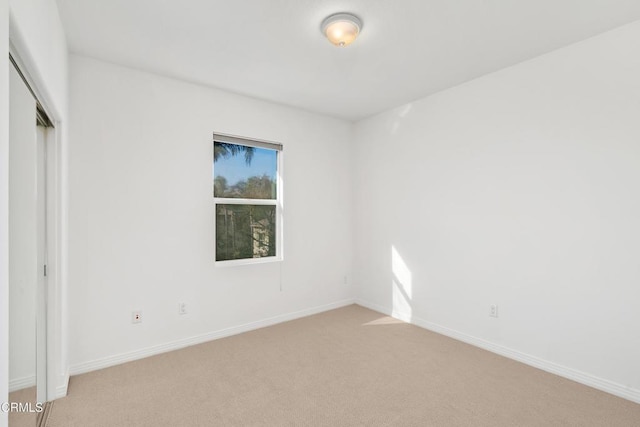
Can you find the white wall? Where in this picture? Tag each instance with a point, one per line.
(141, 213)
(4, 207)
(36, 30)
(518, 189)
(38, 38)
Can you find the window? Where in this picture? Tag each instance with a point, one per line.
(247, 192)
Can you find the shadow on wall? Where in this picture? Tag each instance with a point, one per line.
(402, 112)
(401, 287)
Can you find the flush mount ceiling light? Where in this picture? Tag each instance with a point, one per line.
(342, 28)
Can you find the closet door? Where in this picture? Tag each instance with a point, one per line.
(23, 236)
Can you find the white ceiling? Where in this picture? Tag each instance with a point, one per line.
(273, 49)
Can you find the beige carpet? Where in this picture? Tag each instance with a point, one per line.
(23, 419)
(346, 367)
(28, 419)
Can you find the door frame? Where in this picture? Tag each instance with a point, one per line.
(56, 366)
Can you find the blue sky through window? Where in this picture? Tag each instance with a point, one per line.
(235, 168)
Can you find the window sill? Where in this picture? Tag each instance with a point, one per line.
(248, 261)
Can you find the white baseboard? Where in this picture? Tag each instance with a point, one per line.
(186, 342)
(20, 383)
(61, 390)
(563, 371)
(30, 381)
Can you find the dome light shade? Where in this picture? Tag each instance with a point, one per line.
(341, 29)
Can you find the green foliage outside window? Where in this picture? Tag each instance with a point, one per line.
(245, 231)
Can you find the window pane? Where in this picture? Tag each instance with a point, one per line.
(245, 231)
(240, 171)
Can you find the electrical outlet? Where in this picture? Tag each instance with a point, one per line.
(345, 280)
(493, 310)
(136, 317)
(182, 308)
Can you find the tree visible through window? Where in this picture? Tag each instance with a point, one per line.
(247, 198)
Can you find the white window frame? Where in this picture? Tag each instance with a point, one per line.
(277, 202)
